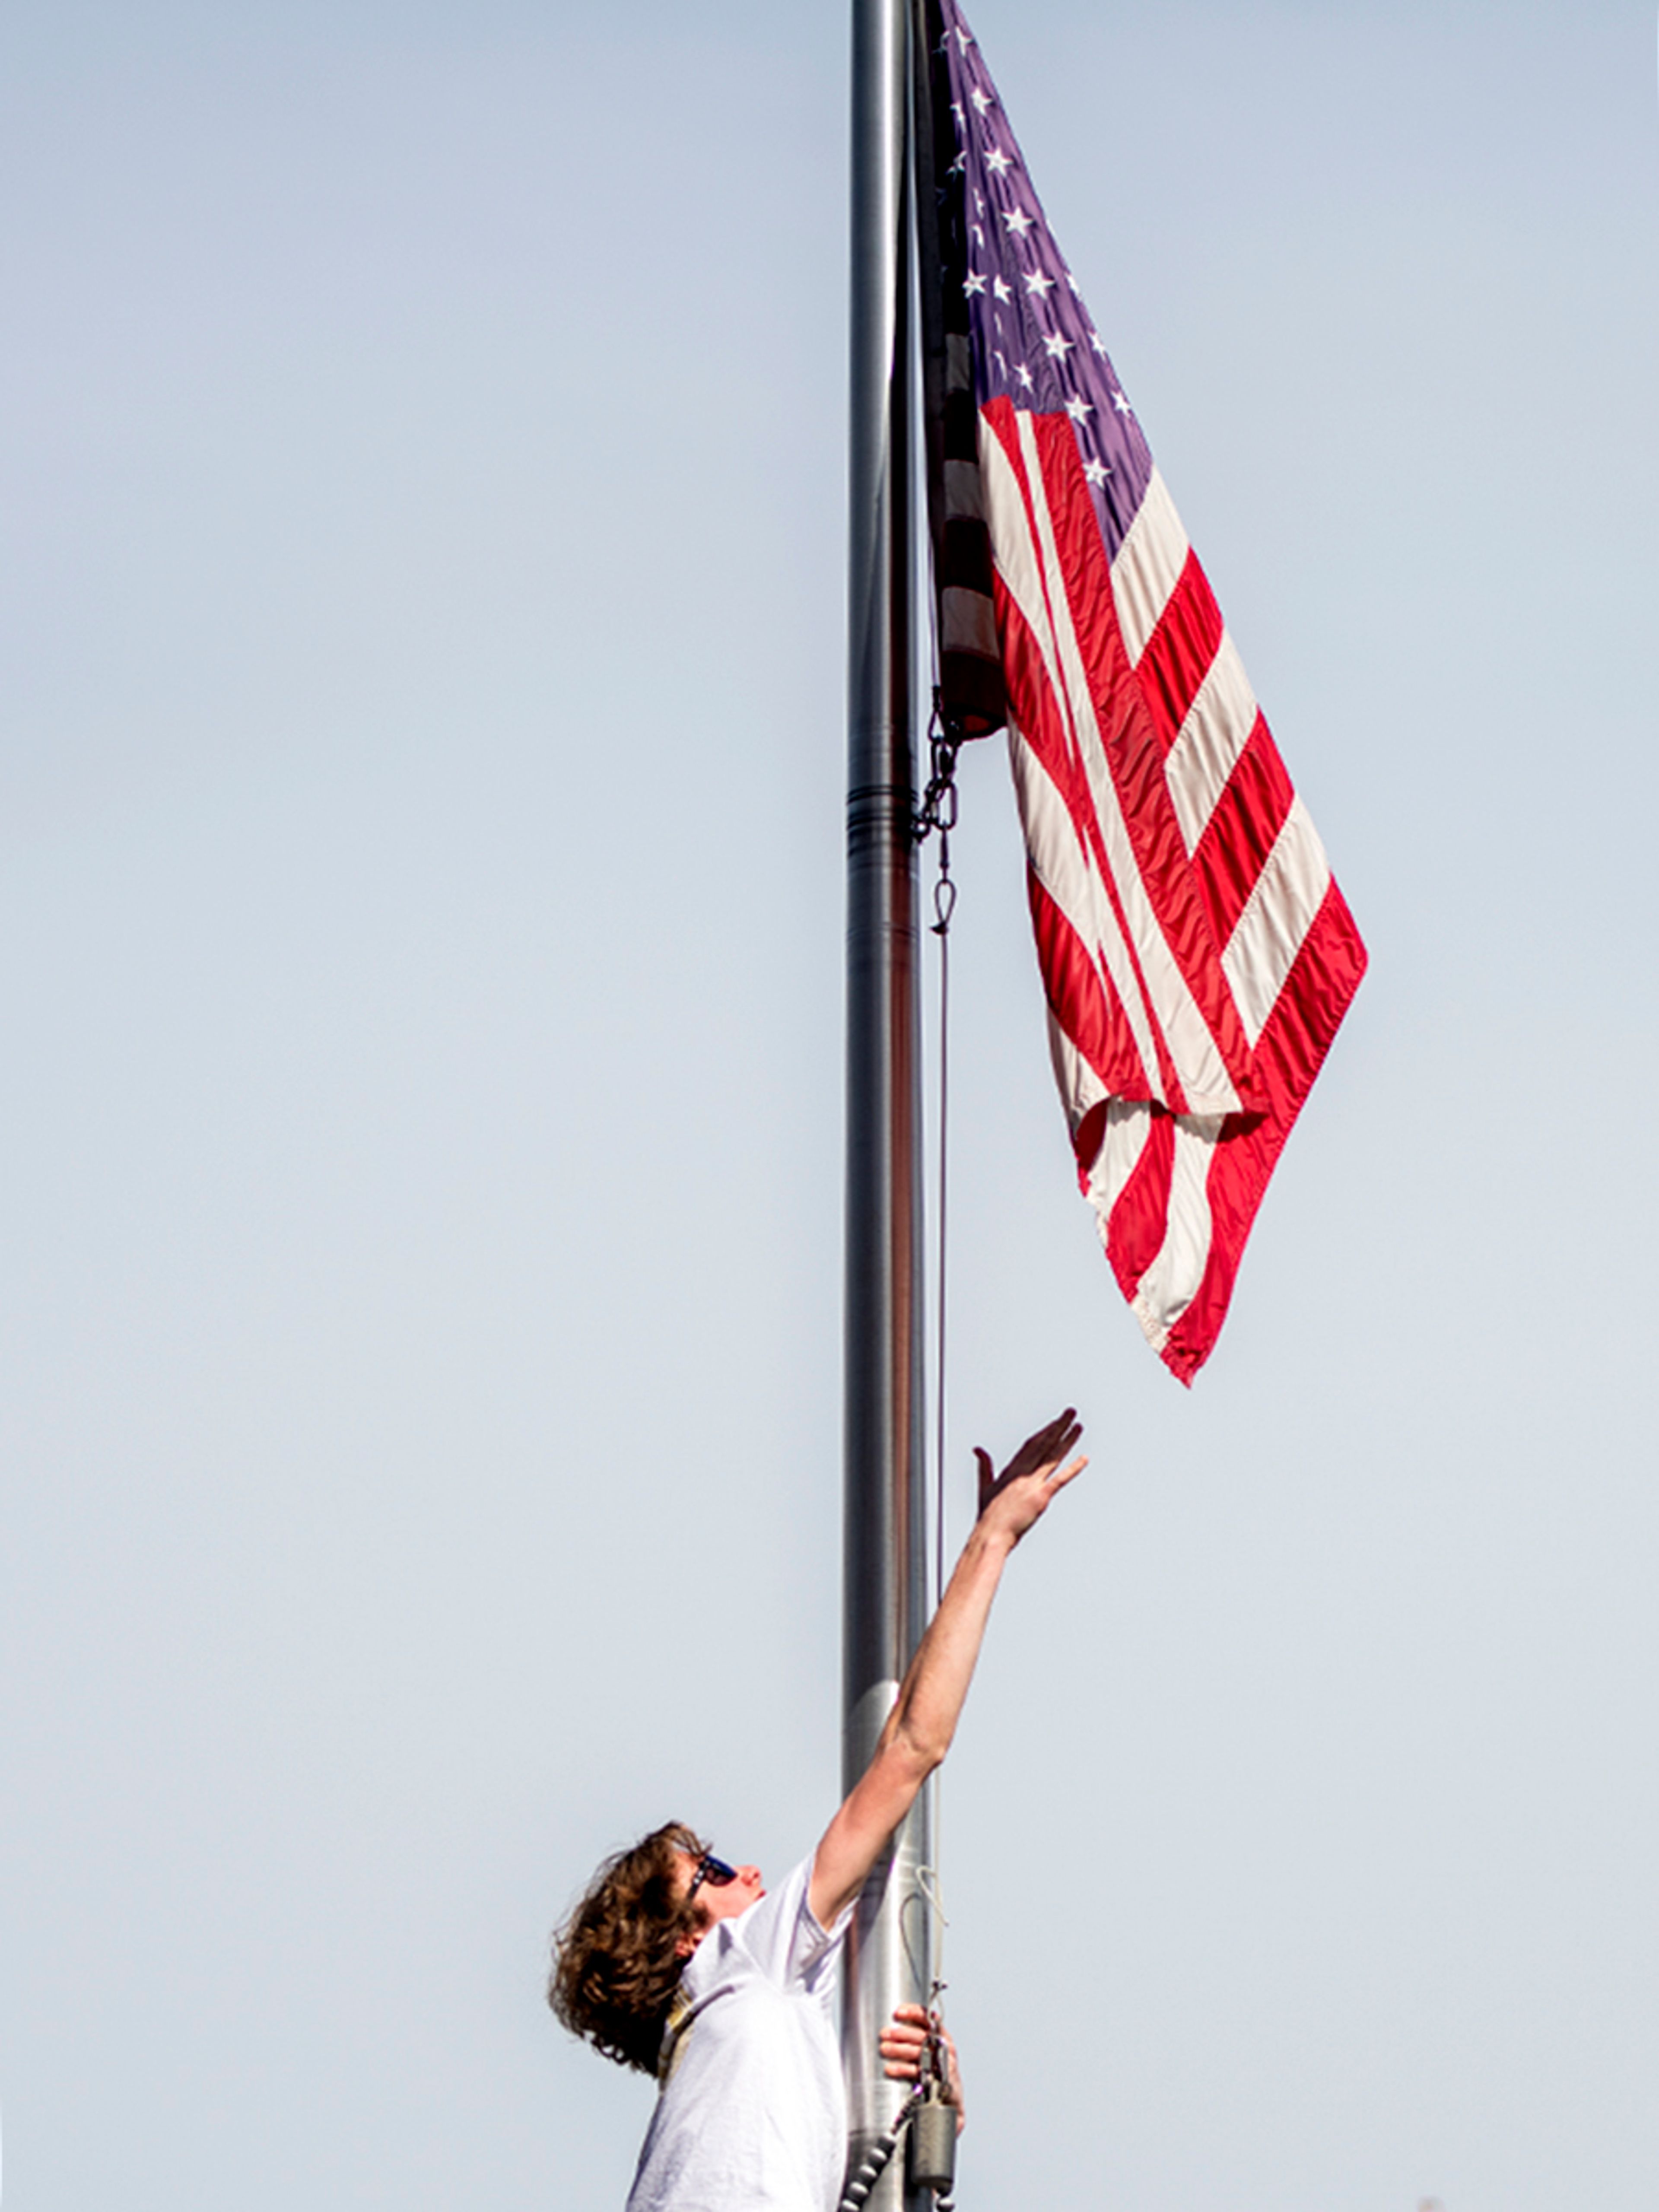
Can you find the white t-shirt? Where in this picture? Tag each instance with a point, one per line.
(751, 2115)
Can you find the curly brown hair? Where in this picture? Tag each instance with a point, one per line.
(616, 1959)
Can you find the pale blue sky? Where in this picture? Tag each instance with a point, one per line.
(419, 1093)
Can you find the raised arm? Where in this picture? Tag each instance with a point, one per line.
(935, 1687)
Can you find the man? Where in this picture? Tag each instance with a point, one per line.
(683, 1966)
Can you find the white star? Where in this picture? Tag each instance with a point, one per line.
(1018, 222)
(1000, 289)
(979, 201)
(961, 162)
(1121, 404)
(996, 161)
(1024, 375)
(1079, 409)
(976, 233)
(960, 112)
(981, 102)
(1038, 284)
(1058, 347)
(1097, 343)
(964, 39)
(1096, 471)
(973, 283)
(1077, 289)
(1002, 359)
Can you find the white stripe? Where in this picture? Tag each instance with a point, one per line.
(1170, 1283)
(1128, 1125)
(1080, 1087)
(1268, 933)
(1005, 512)
(1219, 721)
(1148, 566)
(1067, 870)
(1198, 1062)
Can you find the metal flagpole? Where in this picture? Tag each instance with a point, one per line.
(884, 1559)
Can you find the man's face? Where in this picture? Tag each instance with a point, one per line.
(716, 1900)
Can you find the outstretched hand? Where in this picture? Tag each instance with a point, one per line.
(1017, 1498)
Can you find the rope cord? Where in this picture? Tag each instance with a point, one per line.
(942, 931)
(944, 778)
(936, 814)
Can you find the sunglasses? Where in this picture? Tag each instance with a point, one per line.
(715, 1871)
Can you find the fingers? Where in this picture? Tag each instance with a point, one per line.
(904, 2043)
(1068, 1474)
(1049, 1445)
(1037, 1456)
(901, 2062)
(1059, 1436)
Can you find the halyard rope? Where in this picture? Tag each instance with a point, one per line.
(937, 812)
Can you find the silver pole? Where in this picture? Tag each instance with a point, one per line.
(885, 1558)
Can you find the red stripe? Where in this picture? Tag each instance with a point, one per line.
(1180, 650)
(1239, 834)
(1134, 1235)
(1134, 756)
(1041, 723)
(1317, 992)
(1044, 721)
(1081, 1000)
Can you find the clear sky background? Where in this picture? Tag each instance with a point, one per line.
(420, 1106)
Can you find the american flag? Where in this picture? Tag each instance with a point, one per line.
(1196, 955)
